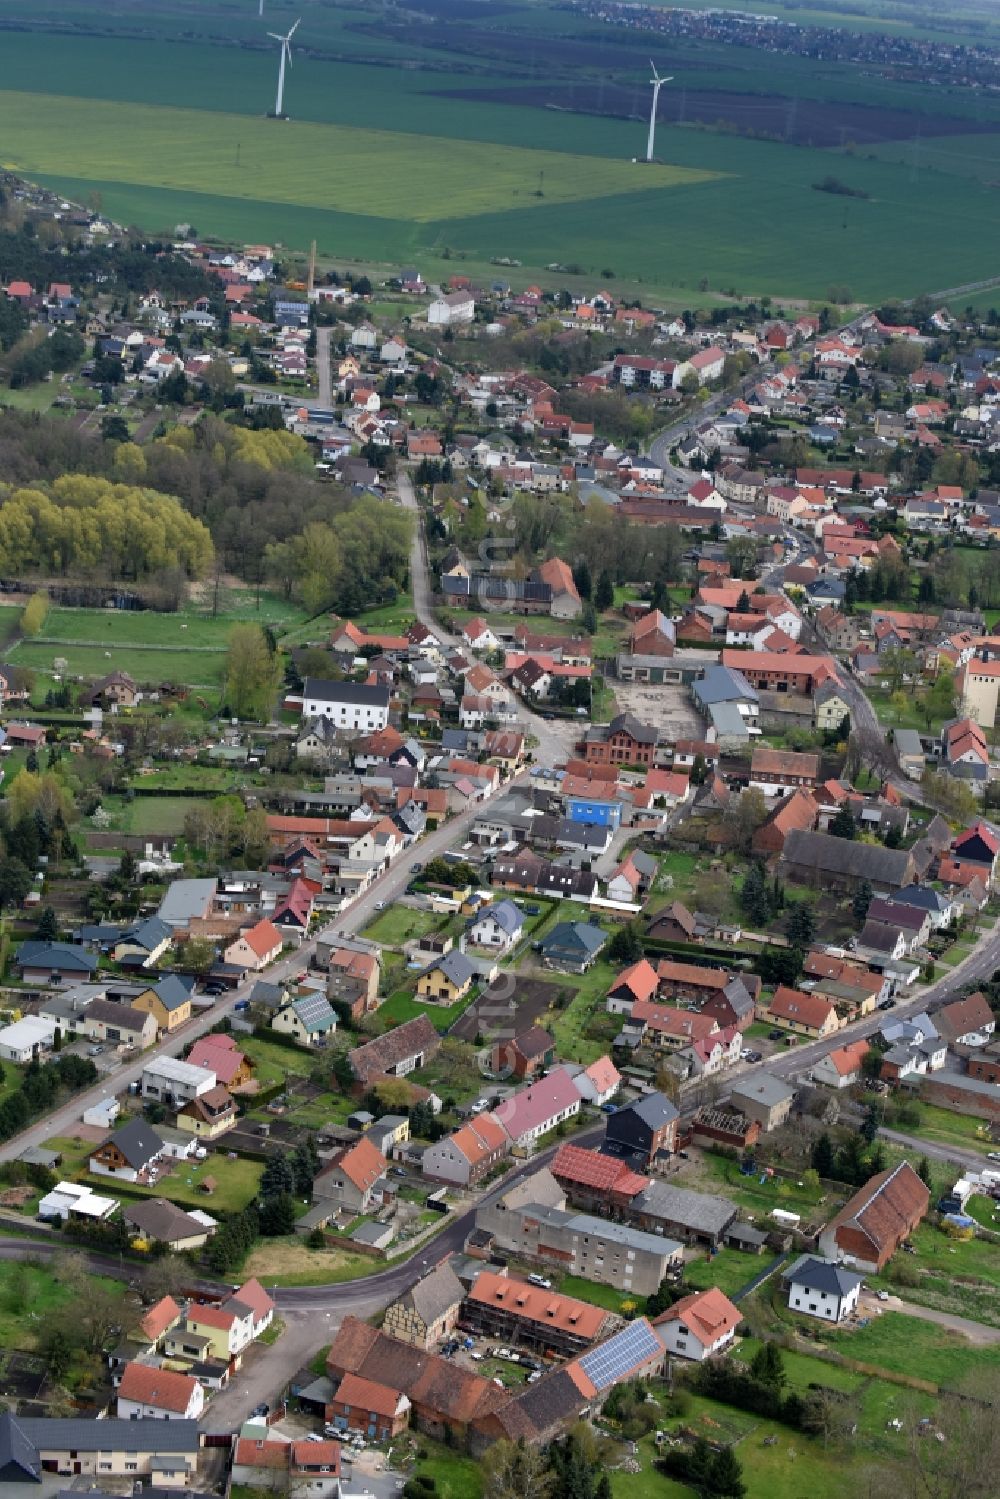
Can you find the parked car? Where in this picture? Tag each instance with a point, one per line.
(886, 1004)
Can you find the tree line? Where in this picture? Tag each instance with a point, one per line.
(87, 525)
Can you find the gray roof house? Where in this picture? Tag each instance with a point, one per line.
(573, 945)
(57, 958)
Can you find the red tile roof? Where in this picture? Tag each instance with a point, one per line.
(535, 1304)
(709, 1314)
(160, 1317)
(163, 1388)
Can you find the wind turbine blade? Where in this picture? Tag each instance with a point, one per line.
(288, 53)
(293, 30)
(276, 37)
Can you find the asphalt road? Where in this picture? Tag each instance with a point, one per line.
(555, 737)
(323, 371)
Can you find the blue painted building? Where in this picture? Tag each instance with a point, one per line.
(605, 814)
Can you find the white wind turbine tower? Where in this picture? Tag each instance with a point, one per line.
(657, 83)
(286, 54)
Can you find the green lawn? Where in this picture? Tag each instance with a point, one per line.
(400, 924)
(28, 1293)
(455, 1476)
(951, 1275)
(906, 1345)
(730, 1270)
(403, 1006)
(149, 668)
(723, 1176)
(237, 1183)
(569, 1024)
(275, 1062)
(590, 1290)
(948, 1128)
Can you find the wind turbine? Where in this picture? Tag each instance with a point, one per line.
(657, 83)
(286, 55)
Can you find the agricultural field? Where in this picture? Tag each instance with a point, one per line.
(464, 139)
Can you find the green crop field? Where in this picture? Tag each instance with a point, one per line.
(375, 173)
(476, 137)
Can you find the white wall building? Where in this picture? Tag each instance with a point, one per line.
(348, 705)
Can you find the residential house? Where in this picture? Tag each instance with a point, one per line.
(763, 1098)
(777, 772)
(802, 1013)
(255, 948)
(51, 962)
(470, 1153)
(537, 1109)
(822, 1288)
(517, 1313)
(642, 1130)
(209, 1115)
(572, 945)
(308, 1019)
(448, 979)
(841, 1068)
(530, 1220)
(633, 878)
(625, 741)
(128, 1153)
(498, 926)
(428, 1311)
(377, 1411)
(876, 1220)
(674, 923)
(352, 706)
(637, 982)
(173, 1082)
(147, 1393)
(350, 1182)
(157, 1221)
(221, 1055)
(699, 1326)
(125, 1451)
(169, 1003)
(966, 1022)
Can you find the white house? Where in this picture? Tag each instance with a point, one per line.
(455, 307)
(497, 927)
(173, 1081)
(147, 1393)
(699, 1326)
(348, 705)
(822, 1288)
(73, 1200)
(19, 1041)
(598, 1083)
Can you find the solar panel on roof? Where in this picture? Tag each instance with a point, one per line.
(312, 1009)
(621, 1354)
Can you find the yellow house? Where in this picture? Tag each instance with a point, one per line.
(169, 1003)
(225, 1330)
(830, 707)
(447, 980)
(209, 1115)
